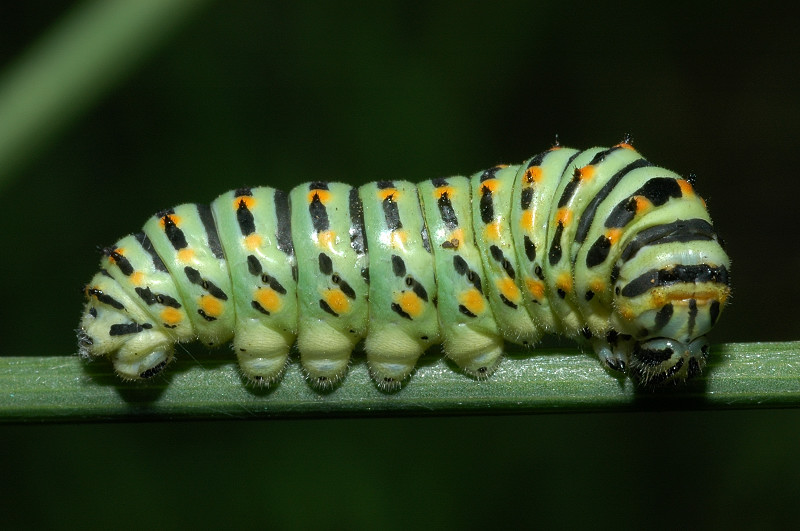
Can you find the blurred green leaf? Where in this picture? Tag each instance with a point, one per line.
(74, 64)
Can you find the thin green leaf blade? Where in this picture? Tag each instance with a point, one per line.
(739, 375)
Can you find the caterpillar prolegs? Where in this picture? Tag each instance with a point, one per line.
(599, 245)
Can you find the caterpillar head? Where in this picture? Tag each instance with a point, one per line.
(669, 311)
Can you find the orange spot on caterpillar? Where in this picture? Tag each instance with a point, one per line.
(268, 299)
(534, 174)
(176, 220)
(119, 250)
(535, 288)
(472, 301)
(586, 173)
(686, 188)
(248, 200)
(384, 193)
(509, 289)
(326, 238)
(597, 285)
(171, 316)
(211, 305)
(410, 303)
(323, 195)
(613, 235)
(253, 241)
(398, 239)
(626, 312)
(526, 219)
(564, 216)
(490, 184)
(642, 203)
(442, 190)
(136, 278)
(681, 295)
(492, 231)
(564, 282)
(186, 255)
(395, 239)
(625, 145)
(336, 300)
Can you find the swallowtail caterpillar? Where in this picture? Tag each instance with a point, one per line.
(598, 245)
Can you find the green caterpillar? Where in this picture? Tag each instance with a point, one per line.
(598, 245)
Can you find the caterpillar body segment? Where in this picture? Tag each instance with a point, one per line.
(492, 191)
(255, 232)
(535, 186)
(188, 244)
(332, 291)
(469, 330)
(403, 318)
(599, 245)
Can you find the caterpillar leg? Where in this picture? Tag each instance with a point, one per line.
(324, 353)
(261, 351)
(612, 351)
(392, 355)
(477, 353)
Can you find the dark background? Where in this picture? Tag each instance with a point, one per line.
(255, 93)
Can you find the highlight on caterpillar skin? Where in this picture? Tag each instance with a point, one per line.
(599, 245)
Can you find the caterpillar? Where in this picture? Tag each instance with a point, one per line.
(598, 245)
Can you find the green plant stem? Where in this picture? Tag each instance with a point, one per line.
(739, 375)
(74, 64)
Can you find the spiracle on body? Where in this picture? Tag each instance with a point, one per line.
(598, 245)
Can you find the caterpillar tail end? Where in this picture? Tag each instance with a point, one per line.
(143, 357)
(138, 352)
